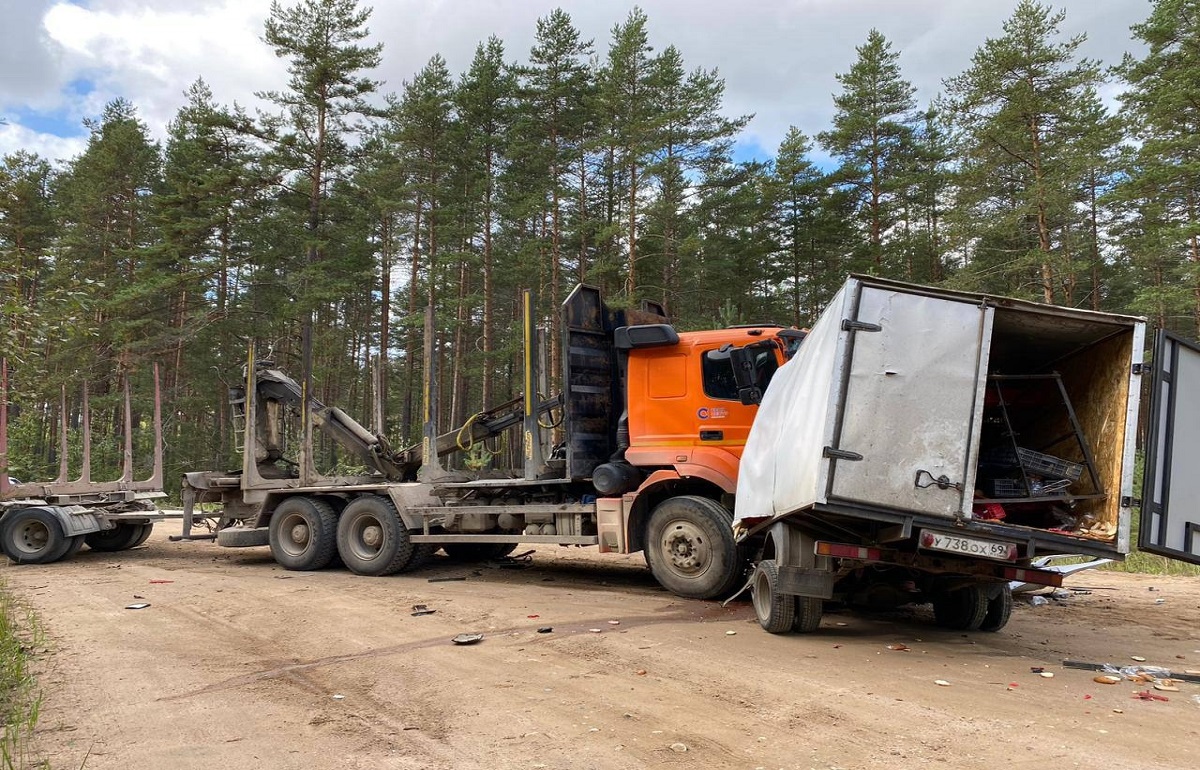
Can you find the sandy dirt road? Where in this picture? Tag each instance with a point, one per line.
(240, 664)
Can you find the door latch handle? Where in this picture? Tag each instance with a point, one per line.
(941, 482)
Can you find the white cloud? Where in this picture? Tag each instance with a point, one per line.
(15, 137)
(778, 57)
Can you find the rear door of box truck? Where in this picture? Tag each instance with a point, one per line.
(911, 398)
(1170, 524)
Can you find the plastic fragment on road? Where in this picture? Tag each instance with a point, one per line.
(138, 606)
(614, 622)
(941, 682)
(1138, 658)
(339, 697)
(1047, 674)
(467, 639)
(731, 633)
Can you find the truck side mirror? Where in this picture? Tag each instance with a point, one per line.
(742, 361)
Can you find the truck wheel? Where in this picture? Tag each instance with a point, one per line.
(962, 609)
(808, 614)
(73, 547)
(33, 536)
(302, 534)
(478, 551)
(243, 537)
(372, 538)
(120, 538)
(690, 548)
(147, 529)
(999, 610)
(776, 612)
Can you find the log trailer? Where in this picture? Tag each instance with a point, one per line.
(652, 426)
(43, 522)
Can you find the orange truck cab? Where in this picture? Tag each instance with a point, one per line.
(656, 421)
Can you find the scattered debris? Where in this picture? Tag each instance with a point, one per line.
(1106, 679)
(1135, 673)
(1160, 601)
(595, 630)
(467, 638)
(339, 697)
(1138, 658)
(1047, 674)
(941, 682)
(614, 622)
(1036, 669)
(1147, 695)
(640, 672)
(1038, 601)
(679, 748)
(545, 629)
(421, 609)
(531, 617)
(138, 606)
(1166, 685)
(899, 647)
(446, 579)
(731, 633)
(160, 582)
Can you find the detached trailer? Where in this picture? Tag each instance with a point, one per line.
(927, 445)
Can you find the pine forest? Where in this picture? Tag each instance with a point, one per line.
(320, 227)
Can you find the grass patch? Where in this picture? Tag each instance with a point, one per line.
(20, 699)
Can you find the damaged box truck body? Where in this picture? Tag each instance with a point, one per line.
(927, 445)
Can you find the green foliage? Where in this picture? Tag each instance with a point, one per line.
(20, 700)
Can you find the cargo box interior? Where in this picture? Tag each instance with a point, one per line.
(1053, 431)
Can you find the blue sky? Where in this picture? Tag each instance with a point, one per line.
(60, 61)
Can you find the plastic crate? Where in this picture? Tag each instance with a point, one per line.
(1003, 488)
(1035, 463)
(1048, 465)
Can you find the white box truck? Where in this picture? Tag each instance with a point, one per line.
(927, 445)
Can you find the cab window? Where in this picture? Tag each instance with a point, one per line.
(717, 372)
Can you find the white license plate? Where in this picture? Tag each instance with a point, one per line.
(968, 546)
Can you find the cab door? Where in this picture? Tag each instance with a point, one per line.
(1170, 519)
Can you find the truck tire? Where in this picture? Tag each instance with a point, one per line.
(690, 548)
(120, 538)
(243, 537)
(962, 609)
(999, 610)
(372, 538)
(478, 551)
(808, 614)
(73, 547)
(33, 536)
(303, 534)
(776, 612)
(147, 529)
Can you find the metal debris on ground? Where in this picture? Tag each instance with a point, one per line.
(421, 609)
(467, 638)
(138, 606)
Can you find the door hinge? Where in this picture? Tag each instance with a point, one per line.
(859, 326)
(840, 454)
(1131, 502)
(1138, 369)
